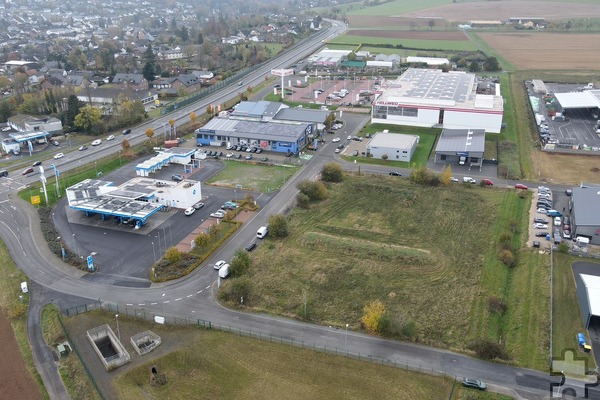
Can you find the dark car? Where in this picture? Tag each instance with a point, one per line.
(474, 383)
(258, 150)
(394, 173)
(251, 247)
(82, 148)
(126, 131)
(540, 220)
(566, 220)
(264, 159)
(249, 157)
(35, 164)
(238, 156)
(177, 178)
(28, 171)
(219, 154)
(541, 234)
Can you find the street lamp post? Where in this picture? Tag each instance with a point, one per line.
(75, 245)
(154, 252)
(346, 338)
(118, 331)
(62, 250)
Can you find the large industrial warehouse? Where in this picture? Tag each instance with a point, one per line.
(432, 98)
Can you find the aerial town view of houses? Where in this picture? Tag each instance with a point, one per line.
(300, 199)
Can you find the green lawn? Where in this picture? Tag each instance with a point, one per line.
(429, 254)
(458, 45)
(398, 7)
(262, 178)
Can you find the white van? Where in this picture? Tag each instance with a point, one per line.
(224, 271)
(24, 288)
(262, 232)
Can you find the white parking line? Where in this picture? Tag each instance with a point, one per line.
(165, 302)
(128, 304)
(178, 299)
(208, 287)
(199, 291)
(141, 304)
(189, 295)
(153, 304)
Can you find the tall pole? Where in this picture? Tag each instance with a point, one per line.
(346, 338)
(154, 252)
(118, 331)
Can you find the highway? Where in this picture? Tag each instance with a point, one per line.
(193, 296)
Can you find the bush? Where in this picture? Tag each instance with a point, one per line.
(315, 190)
(507, 257)
(172, 255)
(372, 316)
(423, 176)
(497, 305)
(237, 289)
(397, 327)
(505, 241)
(278, 226)
(240, 263)
(332, 172)
(563, 247)
(303, 201)
(488, 350)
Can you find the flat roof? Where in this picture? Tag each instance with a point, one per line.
(395, 140)
(257, 109)
(302, 115)
(432, 87)
(274, 131)
(586, 206)
(592, 287)
(26, 136)
(585, 99)
(461, 141)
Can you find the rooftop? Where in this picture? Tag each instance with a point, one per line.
(586, 206)
(461, 141)
(396, 140)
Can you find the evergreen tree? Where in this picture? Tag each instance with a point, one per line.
(150, 64)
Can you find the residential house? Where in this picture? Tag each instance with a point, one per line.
(106, 98)
(27, 123)
(130, 81)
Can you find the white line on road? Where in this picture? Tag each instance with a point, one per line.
(208, 287)
(189, 295)
(153, 304)
(199, 291)
(141, 304)
(128, 304)
(165, 302)
(178, 299)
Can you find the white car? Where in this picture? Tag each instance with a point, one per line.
(111, 137)
(337, 151)
(58, 155)
(349, 137)
(540, 226)
(189, 211)
(542, 211)
(7, 129)
(557, 221)
(453, 179)
(218, 214)
(96, 142)
(335, 140)
(219, 264)
(229, 155)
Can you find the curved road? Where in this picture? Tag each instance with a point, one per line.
(192, 296)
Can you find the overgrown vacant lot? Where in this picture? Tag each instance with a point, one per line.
(429, 254)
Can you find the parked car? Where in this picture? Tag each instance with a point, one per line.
(566, 220)
(82, 148)
(487, 182)
(468, 179)
(6, 129)
(566, 234)
(536, 244)
(251, 247)
(249, 157)
(189, 211)
(566, 227)
(27, 171)
(557, 221)
(453, 179)
(264, 159)
(474, 383)
(258, 150)
(337, 151)
(35, 164)
(541, 210)
(58, 155)
(349, 137)
(335, 140)
(224, 271)
(96, 142)
(394, 173)
(219, 264)
(238, 156)
(229, 147)
(541, 234)
(198, 205)
(568, 192)
(521, 186)
(540, 226)
(55, 142)
(557, 236)
(111, 137)
(540, 220)
(177, 178)
(218, 214)
(229, 155)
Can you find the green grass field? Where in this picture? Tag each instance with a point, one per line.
(398, 7)
(457, 45)
(225, 366)
(262, 178)
(429, 254)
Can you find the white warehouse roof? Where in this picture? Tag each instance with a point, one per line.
(393, 140)
(585, 99)
(592, 287)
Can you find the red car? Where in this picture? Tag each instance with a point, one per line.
(521, 186)
(487, 182)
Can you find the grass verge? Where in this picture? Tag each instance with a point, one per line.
(456, 45)
(71, 370)
(16, 309)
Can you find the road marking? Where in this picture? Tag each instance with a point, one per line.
(153, 304)
(199, 291)
(208, 286)
(178, 299)
(141, 304)
(128, 304)
(189, 295)
(165, 302)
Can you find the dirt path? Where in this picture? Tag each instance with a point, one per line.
(16, 383)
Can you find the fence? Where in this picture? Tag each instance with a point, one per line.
(173, 320)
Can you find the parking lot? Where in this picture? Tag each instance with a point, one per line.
(542, 225)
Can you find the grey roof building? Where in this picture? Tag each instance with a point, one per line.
(302, 114)
(462, 146)
(257, 109)
(585, 213)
